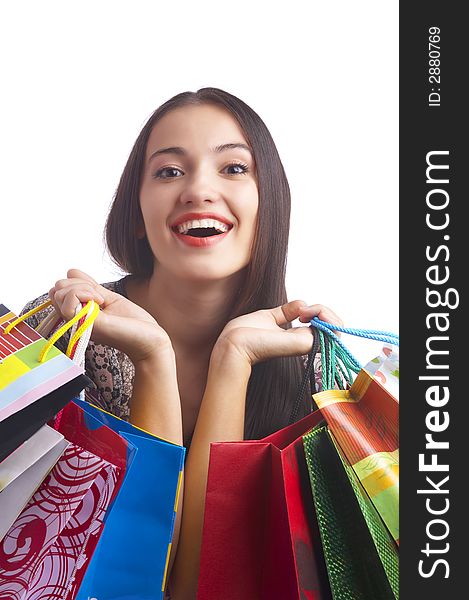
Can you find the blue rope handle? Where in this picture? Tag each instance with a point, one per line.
(372, 334)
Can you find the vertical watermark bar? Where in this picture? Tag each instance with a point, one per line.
(433, 257)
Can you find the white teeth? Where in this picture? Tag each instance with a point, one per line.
(218, 225)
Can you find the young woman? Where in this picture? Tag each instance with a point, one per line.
(196, 345)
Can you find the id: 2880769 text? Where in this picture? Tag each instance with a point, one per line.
(434, 70)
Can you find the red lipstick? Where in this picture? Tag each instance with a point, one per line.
(200, 242)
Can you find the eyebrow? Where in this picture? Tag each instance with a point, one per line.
(180, 151)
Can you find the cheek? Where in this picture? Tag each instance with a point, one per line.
(253, 209)
(248, 203)
(253, 223)
(153, 209)
(250, 217)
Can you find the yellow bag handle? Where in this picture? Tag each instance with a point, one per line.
(90, 307)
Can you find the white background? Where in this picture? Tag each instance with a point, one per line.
(80, 79)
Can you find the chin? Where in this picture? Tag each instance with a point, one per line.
(210, 273)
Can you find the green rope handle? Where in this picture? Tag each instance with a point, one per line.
(336, 364)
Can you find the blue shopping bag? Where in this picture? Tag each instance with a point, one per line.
(131, 558)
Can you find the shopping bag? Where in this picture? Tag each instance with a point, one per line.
(34, 385)
(23, 424)
(47, 548)
(260, 537)
(90, 434)
(365, 422)
(24, 378)
(385, 368)
(361, 558)
(20, 486)
(131, 556)
(143, 511)
(364, 418)
(27, 454)
(42, 549)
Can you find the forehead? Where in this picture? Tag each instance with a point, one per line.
(195, 127)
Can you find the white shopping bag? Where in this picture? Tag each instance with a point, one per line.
(385, 368)
(20, 490)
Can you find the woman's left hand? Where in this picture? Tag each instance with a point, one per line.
(259, 336)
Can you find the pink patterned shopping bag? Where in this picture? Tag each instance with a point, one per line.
(59, 528)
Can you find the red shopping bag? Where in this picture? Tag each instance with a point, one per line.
(260, 537)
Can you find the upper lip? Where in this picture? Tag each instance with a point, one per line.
(198, 216)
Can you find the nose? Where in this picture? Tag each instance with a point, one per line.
(199, 188)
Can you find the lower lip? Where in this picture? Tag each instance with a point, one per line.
(202, 242)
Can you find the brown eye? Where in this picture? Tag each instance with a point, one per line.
(237, 169)
(167, 173)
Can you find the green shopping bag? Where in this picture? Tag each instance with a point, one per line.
(361, 558)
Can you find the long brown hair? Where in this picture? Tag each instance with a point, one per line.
(273, 384)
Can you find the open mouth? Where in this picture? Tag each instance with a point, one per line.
(198, 229)
(203, 232)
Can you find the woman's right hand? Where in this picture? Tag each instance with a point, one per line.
(120, 324)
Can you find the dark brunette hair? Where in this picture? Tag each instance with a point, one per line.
(273, 384)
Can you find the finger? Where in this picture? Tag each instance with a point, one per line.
(77, 274)
(307, 313)
(304, 331)
(52, 293)
(298, 342)
(61, 291)
(106, 296)
(288, 312)
(67, 300)
(62, 284)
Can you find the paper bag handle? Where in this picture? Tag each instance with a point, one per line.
(83, 320)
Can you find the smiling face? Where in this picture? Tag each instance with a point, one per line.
(199, 196)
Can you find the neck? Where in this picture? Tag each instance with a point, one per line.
(193, 313)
